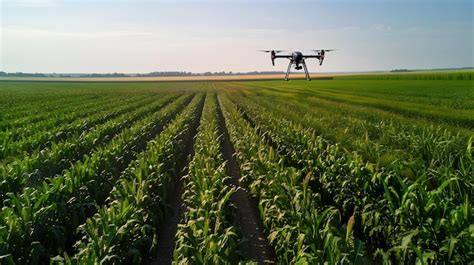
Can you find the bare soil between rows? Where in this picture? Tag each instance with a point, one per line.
(255, 247)
(168, 228)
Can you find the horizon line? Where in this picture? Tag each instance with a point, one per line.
(242, 72)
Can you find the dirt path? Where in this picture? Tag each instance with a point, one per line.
(247, 222)
(167, 230)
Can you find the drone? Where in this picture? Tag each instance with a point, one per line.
(298, 59)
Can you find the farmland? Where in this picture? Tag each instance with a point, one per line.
(355, 170)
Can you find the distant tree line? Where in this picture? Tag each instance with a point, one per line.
(20, 74)
(169, 73)
(151, 74)
(242, 73)
(400, 70)
(94, 75)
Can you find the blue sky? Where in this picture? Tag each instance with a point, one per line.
(198, 36)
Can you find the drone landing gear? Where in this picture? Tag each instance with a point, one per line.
(288, 70)
(306, 71)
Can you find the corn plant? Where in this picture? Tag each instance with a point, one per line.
(386, 200)
(126, 229)
(49, 214)
(45, 133)
(205, 235)
(300, 228)
(48, 162)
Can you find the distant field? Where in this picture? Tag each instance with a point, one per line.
(153, 79)
(415, 75)
(344, 171)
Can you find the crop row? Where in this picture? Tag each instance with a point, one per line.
(371, 132)
(41, 221)
(23, 111)
(425, 111)
(25, 128)
(388, 143)
(428, 217)
(300, 227)
(80, 121)
(205, 235)
(125, 229)
(48, 162)
(25, 125)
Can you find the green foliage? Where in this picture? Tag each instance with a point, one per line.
(301, 228)
(394, 207)
(357, 170)
(50, 213)
(50, 161)
(417, 75)
(125, 229)
(205, 235)
(54, 127)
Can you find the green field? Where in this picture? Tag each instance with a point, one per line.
(359, 170)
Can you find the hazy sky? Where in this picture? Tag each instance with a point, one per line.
(198, 36)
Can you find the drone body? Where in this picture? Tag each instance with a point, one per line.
(297, 59)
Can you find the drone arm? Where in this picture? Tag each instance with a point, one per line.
(274, 56)
(282, 56)
(312, 56)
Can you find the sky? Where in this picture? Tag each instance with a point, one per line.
(143, 36)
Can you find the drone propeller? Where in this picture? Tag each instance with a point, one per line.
(321, 54)
(273, 54)
(318, 51)
(276, 51)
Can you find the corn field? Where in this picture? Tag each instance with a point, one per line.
(343, 171)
